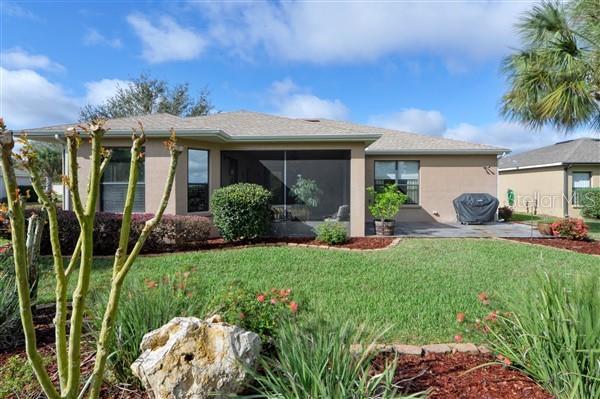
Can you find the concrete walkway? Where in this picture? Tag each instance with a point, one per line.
(457, 230)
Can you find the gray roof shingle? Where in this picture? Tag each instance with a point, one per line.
(581, 150)
(244, 125)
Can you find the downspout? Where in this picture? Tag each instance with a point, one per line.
(565, 197)
(66, 198)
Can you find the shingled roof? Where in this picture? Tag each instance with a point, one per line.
(253, 126)
(584, 150)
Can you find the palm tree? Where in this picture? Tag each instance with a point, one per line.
(555, 79)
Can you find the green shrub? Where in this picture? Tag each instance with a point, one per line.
(261, 312)
(145, 307)
(553, 334)
(505, 212)
(589, 199)
(332, 233)
(385, 205)
(241, 211)
(318, 362)
(10, 321)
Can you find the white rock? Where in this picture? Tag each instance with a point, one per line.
(192, 358)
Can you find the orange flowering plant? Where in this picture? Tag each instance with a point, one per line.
(260, 312)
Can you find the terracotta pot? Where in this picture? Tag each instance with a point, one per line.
(545, 228)
(384, 228)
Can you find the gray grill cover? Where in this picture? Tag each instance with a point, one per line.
(475, 208)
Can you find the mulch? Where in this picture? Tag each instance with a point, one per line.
(460, 375)
(591, 247)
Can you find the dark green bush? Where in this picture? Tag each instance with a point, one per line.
(505, 213)
(552, 332)
(332, 233)
(241, 211)
(589, 199)
(145, 307)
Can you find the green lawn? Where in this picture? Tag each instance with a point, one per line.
(416, 288)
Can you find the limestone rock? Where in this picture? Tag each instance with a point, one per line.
(192, 358)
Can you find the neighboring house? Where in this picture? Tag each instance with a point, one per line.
(546, 180)
(281, 154)
(23, 180)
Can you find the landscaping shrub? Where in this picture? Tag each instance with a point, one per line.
(318, 362)
(384, 205)
(172, 233)
(332, 233)
(261, 312)
(241, 211)
(570, 228)
(590, 202)
(505, 212)
(553, 334)
(147, 307)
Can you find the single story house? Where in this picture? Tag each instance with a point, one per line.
(546, 180)
(285, 154)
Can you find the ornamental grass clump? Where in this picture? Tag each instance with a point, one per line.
(324, 361)
(553, 334)
(147, 306)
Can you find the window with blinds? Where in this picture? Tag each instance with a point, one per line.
(113, 187)
(404, 174)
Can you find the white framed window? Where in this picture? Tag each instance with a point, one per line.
(581, 180)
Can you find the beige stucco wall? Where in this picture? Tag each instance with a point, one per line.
(441, 179)
(546, 187)
(536, 190)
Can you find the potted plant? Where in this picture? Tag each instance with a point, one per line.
(384, 206)
(545, 226)
(306, 192)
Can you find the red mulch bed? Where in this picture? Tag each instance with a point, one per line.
(591, 247)
(457, 375)
(352, 243)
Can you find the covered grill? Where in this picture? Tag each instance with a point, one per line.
(475, 208)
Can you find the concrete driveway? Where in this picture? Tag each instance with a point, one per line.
(457, 230)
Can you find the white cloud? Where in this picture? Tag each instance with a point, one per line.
(20, 59)
(513, 136)
(412, 120)
(95, 38)
(294, 102)
(99, 91)
(331, 32)
(14, 10)
(166, 40)
(28, 99)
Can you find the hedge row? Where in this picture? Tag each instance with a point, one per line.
(174, 232)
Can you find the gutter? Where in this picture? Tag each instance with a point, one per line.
(547, 165)
(481, 151)
(222, 136)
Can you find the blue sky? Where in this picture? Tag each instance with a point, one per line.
(430, 67)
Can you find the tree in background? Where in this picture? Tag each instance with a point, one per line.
(555, 79)
(144, 96)
(49, 158)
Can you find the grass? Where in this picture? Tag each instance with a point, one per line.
(415, 288)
